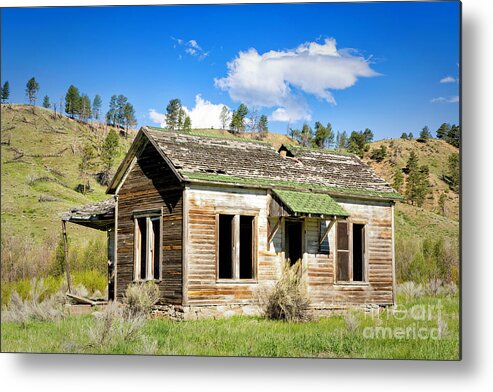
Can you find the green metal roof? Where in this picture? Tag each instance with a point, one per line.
(310, 203)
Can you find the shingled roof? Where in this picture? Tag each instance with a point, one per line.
(100, 215)
(242, 162)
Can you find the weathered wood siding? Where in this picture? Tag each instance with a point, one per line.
(320, 269)
(151, 185)
(202, 287)
(203, 204)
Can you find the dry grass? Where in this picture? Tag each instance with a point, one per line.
(140, 298)
(21, 311)
(287, 300)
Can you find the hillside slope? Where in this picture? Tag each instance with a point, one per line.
(40, 158)
(434, 154)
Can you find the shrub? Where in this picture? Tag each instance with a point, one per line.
(34, 308)
(425, 260)
(23, 288)
(351, 322)
(115, 326)
(410, 290)
(141, 297)
(92, 280)
(287, 300)
(379, 154)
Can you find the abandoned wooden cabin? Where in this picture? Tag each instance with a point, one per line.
(210, 220)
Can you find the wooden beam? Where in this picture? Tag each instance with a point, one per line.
(236, 247)
(65, 255)
(274, 230)
(327, 230)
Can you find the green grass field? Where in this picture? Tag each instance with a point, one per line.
(356, 336)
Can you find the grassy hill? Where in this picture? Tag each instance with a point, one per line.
(40, 158)
(434, 154)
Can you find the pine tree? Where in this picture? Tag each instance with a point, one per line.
(320, 138)
(453, 136)
(129, 117)
(121, 102)
(398, 179)
(423, 185)
(453, 171)
(173, 112)
(404, 136)
(112, 112)
(263, 126)
(181, 118)
(46, 102)
(410, 136)
(224, 117)
(96, 107)
(84, 107)
(109, 153)
(5, 92)
(294, 134)
(379, 154)
(443, 131)
(417, 185)
(329, 141)
(306, 135)
(187, 124)
(441, 204)
(32, 88)
(342, 140)
(238, 119)
(358, 142)
(412, 162)
(425, 134)
(72, 101)
(87, 163)
(368, 135)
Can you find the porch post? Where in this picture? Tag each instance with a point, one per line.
(65, 252)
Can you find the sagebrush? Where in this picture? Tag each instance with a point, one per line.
(288, 299)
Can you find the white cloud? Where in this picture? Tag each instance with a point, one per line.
(192, 48)
(453, 99)
(194, 44)
(448, 79)
(203, 115)
(272, 79)
(157, 117)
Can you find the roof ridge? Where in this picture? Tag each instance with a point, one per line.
(210, 136)
(318, 149)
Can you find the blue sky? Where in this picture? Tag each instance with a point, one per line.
(390, 67)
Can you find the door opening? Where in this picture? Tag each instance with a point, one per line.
(294, 241)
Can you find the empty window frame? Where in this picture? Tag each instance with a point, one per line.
(236, 247)
(147, 247)
(351, 250)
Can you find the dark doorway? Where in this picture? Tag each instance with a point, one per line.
(358, 252)
(294, 241)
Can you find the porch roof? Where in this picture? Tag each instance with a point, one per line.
(100, 215)
(309, 203)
